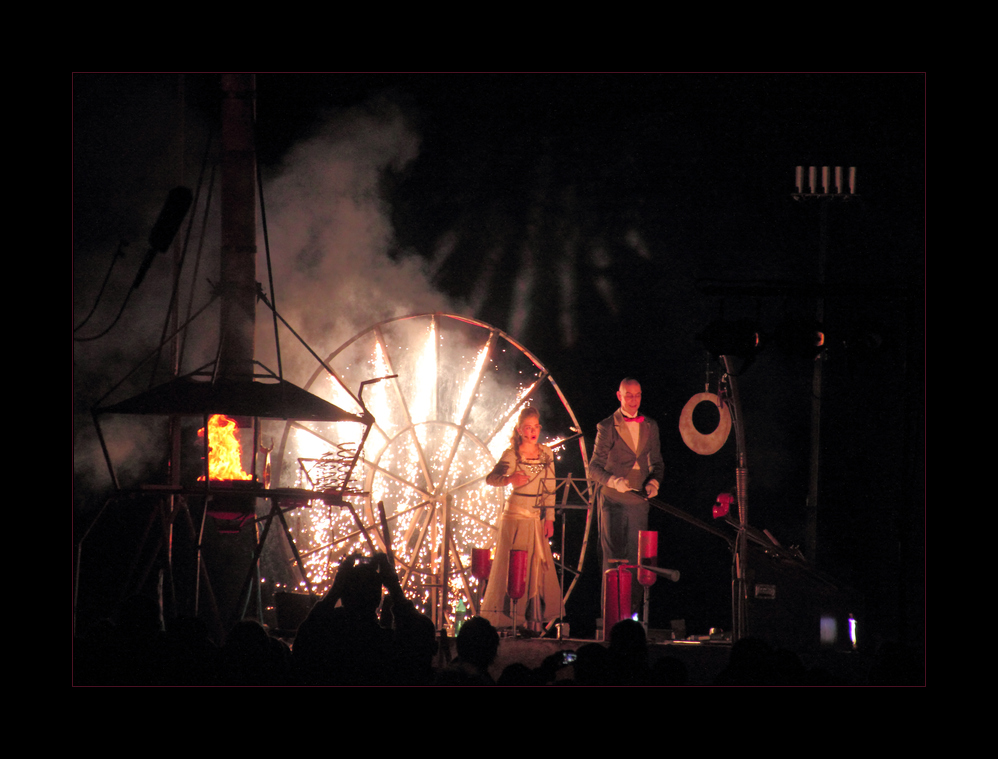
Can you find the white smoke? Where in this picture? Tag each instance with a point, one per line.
(330, 235)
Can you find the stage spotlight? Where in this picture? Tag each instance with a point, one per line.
(738, 337)
(804, 338)
(722, 507)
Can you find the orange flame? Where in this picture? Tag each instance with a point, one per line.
(224, 451)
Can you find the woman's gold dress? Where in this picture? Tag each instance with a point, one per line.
(521, 526)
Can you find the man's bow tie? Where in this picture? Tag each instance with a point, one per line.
(634, 418)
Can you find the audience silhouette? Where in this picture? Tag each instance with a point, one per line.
(344, 642)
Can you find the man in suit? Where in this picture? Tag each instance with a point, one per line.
(627, 463)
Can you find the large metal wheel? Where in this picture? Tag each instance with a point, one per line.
(441, 424)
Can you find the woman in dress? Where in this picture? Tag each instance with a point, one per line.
(529, 468)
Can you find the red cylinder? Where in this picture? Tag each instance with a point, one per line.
(481, 562)
(647, 556)
(516, 581)
(616, 598)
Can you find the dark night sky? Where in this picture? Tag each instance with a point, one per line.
(581, 213)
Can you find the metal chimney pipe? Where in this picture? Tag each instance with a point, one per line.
(238, 264)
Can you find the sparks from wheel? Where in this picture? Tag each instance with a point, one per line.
(440, 427)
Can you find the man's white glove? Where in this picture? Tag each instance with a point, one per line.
(651, 488)
(619, 484)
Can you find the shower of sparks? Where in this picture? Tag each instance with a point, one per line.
(441, 426)
(471, 385)
(340, 396)
(423, 405)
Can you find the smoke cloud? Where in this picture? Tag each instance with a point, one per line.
(330, 241)
(330, 235)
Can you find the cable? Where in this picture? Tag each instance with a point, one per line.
(120, 253)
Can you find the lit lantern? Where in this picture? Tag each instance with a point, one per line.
(224, 450)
